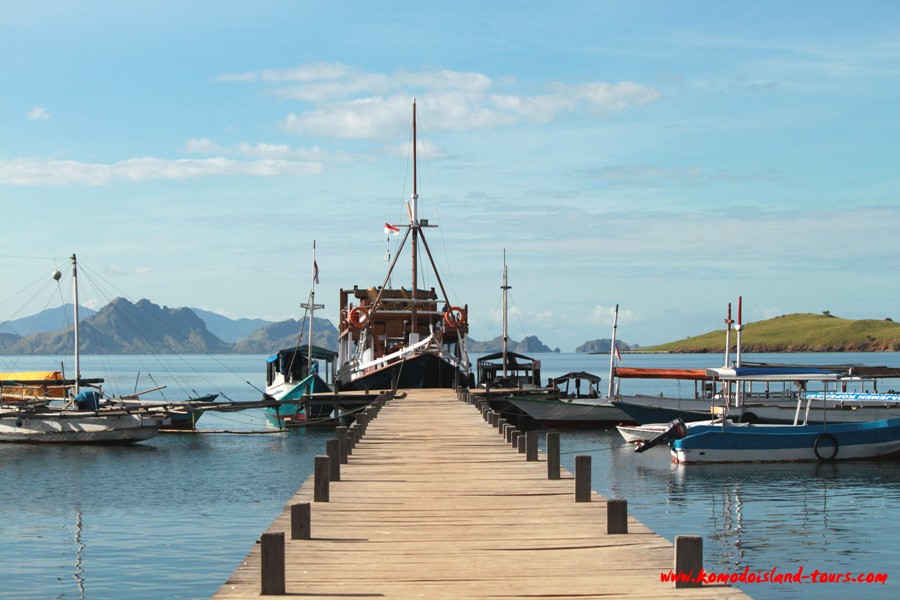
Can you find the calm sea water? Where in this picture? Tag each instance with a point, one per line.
(172, 517)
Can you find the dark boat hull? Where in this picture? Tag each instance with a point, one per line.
(417, 372)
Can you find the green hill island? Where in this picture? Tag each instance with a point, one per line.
(804, 332)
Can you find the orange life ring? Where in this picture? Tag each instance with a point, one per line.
(455, 317)
(358, 316)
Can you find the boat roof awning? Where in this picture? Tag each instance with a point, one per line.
(577, 375)
(650, 373)
(8, 377)
(774, 374)
(863, 371)
(317, 352)
(513, 361)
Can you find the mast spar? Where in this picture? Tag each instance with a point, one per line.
(414, 219)
(505, 340)
(77, 355)
(311, 306)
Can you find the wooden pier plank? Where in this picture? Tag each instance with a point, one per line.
(433, 503)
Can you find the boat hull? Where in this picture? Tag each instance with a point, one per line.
(657, 412)
(78, 429)
(563, 413)
(288, 413)
(424, 370)
(788, 443)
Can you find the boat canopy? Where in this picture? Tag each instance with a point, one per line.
(650, 373)
(863, 372)
(774, 374)
(29, 376)
(21, 385)
(318, 353)
(577, 375)
(513, 360)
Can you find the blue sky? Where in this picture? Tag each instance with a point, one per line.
(664, 156)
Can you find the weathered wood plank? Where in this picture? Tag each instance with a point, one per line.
(434, 503)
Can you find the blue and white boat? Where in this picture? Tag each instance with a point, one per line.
(744, 442)
(798, 442)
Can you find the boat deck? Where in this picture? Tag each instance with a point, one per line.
(433, 503)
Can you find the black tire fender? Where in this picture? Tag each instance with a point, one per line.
(834, 442)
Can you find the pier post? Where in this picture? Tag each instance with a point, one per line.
(301, 521)
(344, 442)
(272, 564)
(553, 455)
(531, 446)
(688, 560)
(617, 516)
(520, 442)
(322, 480)
(500, 425)
(332, 449)
(582, 478)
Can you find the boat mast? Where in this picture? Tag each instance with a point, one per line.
(414, 221)
(728, 323)
(77, 355)
(311, 306)
(738, 328)
(505, 340)
(612, 352)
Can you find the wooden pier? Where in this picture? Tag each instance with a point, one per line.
(433, 502)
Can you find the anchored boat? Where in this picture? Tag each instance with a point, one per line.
(391, 338)
(46, 408)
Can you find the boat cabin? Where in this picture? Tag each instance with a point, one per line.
(519, 371)
(383, 321)
(570, 385)
(290, 365)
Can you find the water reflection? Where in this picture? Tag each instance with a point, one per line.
(832, 517)
(79, 555)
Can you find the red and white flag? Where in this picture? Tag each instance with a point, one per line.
(390, 229)
(316, 272)
(616, 350)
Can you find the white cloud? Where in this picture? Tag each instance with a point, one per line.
(603, 316)
(347, 103)
(38, 113)
(38, 171)
(258, 150)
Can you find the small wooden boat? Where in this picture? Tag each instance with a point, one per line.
(292, 374)
(49, 409)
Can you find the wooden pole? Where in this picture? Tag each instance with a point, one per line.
(553, 455)
(301, 521)
(322, 480)
(344, 442)
(617, 516)
(582, 478)
(531, 446)
(272, 564)
(688, 560)
(332, 449)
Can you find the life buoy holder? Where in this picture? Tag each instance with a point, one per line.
(455, 317)
(357, 317)
(834, 442)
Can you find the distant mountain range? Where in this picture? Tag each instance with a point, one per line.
(123, 327)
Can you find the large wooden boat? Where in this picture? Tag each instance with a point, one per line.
(403, 337)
